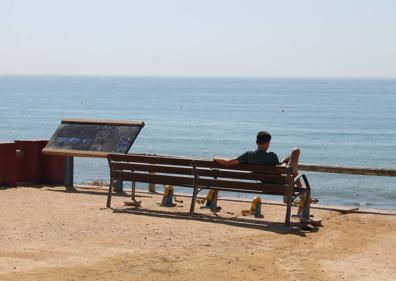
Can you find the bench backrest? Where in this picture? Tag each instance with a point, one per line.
(202, 173)
(151, 169)
(244, 177)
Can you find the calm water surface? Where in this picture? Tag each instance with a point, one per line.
(335, 122)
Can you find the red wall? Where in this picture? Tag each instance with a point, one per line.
(8, 172)
(29, 165)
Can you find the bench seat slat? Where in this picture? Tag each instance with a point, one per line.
(150, 159)
(152, 168)
(269, 192)
(152, 178)
(246, 167)
(279, 179)
(263, 187)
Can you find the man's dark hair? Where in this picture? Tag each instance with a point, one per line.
(263, 137)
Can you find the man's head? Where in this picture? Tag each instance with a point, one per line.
(263, 140)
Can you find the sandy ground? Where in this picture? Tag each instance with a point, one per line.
(49, 234)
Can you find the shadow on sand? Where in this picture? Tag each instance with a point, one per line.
(94, 191)
(277, 227)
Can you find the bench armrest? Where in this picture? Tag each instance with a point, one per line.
(305, 179)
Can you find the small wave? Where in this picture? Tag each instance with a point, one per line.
(363, 204)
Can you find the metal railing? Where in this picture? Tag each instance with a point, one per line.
(347, 170)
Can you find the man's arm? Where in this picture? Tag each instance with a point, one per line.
(226, 161)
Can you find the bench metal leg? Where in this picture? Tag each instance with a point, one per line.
(195, 192)
(308, 203)
(193, 200)
(108, 205)
(288, 210)
(133, 191)
(307, 206)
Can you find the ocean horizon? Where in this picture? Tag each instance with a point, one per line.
(334, 121)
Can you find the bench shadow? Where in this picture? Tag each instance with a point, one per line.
(95, 191)
(277, 227)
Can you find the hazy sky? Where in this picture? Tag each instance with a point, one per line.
(296, 38)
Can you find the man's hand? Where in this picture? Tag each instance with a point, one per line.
(285, 160)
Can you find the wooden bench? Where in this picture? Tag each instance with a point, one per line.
(202, 174)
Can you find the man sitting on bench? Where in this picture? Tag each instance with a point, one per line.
(261, 157)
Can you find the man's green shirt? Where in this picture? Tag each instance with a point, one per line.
(259, 157)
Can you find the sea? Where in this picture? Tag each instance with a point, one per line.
(341, 122)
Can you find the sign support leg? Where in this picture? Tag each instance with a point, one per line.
(68, 172)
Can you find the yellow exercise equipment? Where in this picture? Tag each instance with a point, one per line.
(169, 195)
(255, 209)
(211, 200)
